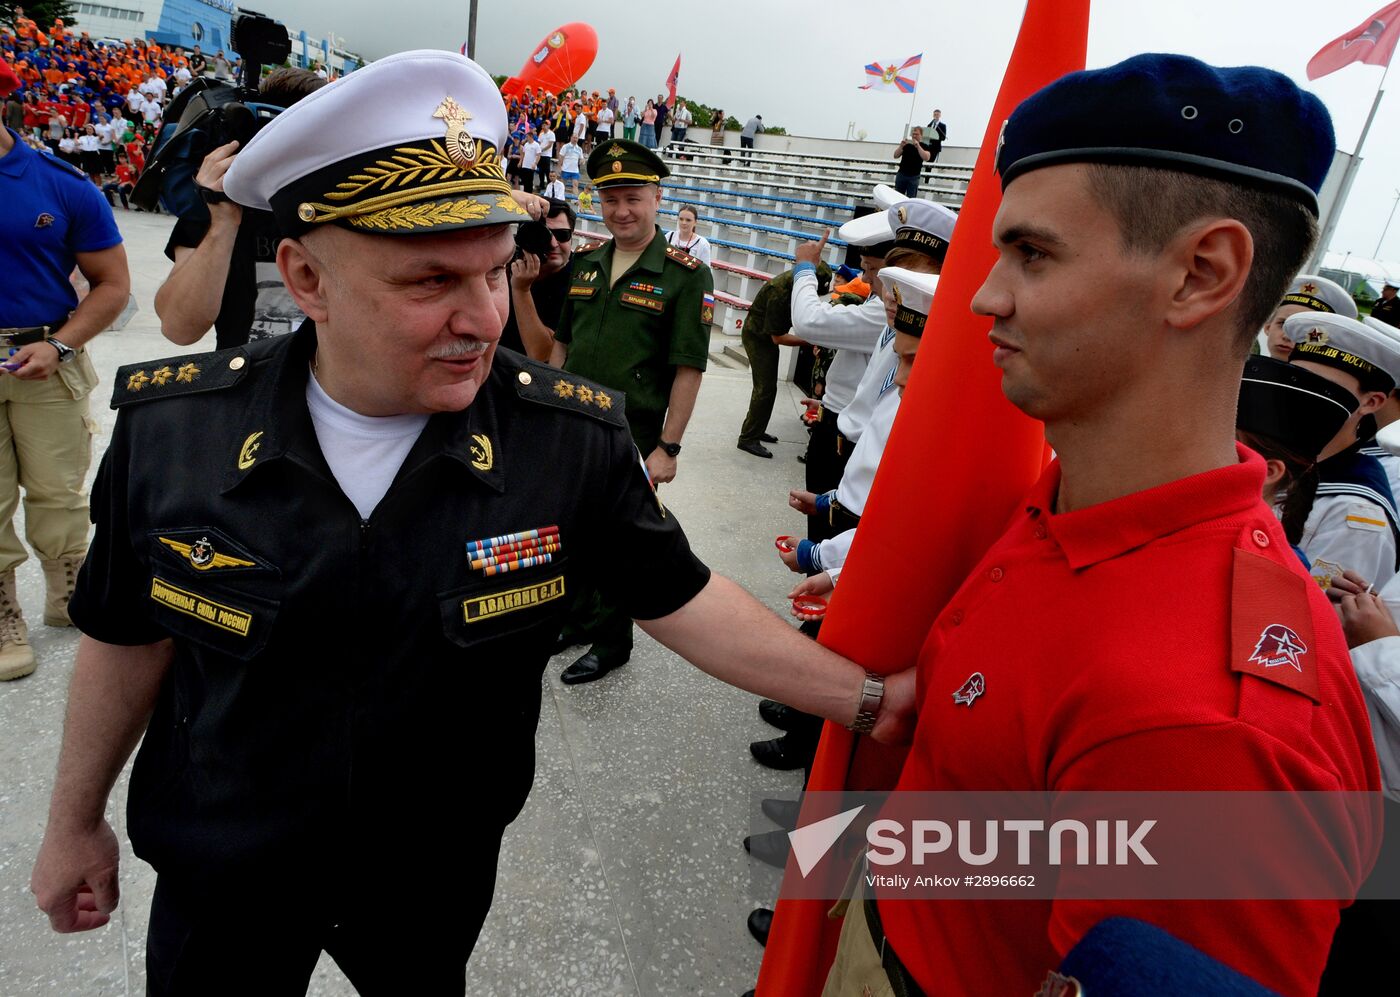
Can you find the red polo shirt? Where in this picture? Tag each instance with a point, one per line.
(1114, 644)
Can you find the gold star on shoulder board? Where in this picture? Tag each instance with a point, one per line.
(585, 394)
(604, 400)
(563, 389)
(137, 381)
(187, 373)
(161, 376)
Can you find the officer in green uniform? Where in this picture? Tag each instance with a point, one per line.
(637, 320)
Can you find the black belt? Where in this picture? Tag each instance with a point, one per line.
(26, 334)
(840, 518)
(901, 982)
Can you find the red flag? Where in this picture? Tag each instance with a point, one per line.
(962, 487)
(9, 82)
(1372, 42)
(671, 82)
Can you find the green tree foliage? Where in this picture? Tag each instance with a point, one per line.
(42, 12)
(704, 116)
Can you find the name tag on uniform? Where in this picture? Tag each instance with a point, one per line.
(582, 291)
(485, 607)
(642, 301)
(205, 610)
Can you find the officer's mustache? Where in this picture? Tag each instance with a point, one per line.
(459, 348)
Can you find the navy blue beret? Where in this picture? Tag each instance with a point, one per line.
(1246, 124)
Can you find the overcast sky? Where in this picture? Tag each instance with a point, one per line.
(799, 62)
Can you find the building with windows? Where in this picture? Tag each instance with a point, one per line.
(206, 23)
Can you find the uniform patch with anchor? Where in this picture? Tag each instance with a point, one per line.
(203, 556)
(207, 549)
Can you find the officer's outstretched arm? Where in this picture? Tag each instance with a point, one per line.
(110, 699)
(727, 633)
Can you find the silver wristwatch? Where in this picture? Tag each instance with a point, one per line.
(65, 352)
(872, 693)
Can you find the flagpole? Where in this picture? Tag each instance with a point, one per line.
(1344, 188)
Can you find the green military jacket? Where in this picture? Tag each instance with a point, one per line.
(632, 336)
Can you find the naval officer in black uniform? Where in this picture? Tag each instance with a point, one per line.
(328, 569)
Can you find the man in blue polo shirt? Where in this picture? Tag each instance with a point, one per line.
(54, 219)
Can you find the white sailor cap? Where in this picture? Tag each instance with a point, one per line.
(1320, 295)
(913, 297)
(922, 226)
(1370, 352)
(407, 145)
(873, 229)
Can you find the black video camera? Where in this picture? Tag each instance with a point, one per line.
(533, 237)
(209, 113)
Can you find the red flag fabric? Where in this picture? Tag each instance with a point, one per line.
(1372, 42)
(9, 82)
(671, 82)
(958, 460)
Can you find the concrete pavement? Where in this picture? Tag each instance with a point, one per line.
(624, 875)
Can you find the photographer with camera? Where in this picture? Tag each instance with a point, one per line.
(539, 281)
(225, 273)
(912, 152)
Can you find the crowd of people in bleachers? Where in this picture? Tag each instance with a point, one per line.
(551, 134)
(98, 104)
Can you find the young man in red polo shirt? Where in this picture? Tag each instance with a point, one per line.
(1110, 635)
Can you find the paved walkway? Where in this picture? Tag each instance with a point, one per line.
(625, 873)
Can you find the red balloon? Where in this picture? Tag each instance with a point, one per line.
(557, 62)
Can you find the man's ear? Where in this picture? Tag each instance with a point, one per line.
(305, 276)
(1371, 401)
(1213, 261)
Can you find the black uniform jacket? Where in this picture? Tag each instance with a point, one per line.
(346, 691)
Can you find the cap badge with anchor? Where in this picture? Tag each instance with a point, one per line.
(461, 147)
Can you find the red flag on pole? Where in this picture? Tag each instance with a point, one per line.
(961, 485)
(671, 82)
(1372, 42)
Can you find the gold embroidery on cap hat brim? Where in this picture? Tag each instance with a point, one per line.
(413, 195)
(410, 164)
(431, 215)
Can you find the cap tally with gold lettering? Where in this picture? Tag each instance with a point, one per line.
(409, 144)
(1292, 406)
(620, 163)
(922, 226)
(1368, 352)
(913, 297)
(1320, 295)
(1246, 125)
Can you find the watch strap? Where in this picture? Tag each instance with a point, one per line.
(872, 694)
